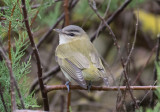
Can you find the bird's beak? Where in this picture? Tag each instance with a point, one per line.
(58, 30)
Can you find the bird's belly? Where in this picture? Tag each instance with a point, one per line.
(91, 77)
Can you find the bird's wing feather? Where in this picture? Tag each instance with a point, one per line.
(73, 71)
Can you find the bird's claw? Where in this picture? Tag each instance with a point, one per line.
(89, 86)
(67, 85)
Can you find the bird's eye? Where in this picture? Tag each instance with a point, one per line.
(71, 34)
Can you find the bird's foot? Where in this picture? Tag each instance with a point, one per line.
(89, 86)
(67, 85)
(106, 81)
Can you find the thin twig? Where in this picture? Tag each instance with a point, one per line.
(141, 71)
(147, 93)
(2, 100)
(10, 57)
(68, 101)
(127, 61)
(51, 53)
(52, 72)
(155, 70)
(36, 53)
(34, 18)
(128, 84)
(9, 32)
(30, 111)
(66, 12)
(134, 41)
(94, 8)
(105, 14)
(99, 88)
(112, 17)
(19, 94)
(50, 30)
(62, 103)
(158, 49)
(66, 23)
(55, 25)
(32, 7)
(44, 37)
(9, 65)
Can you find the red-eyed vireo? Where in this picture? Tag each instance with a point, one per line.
(78, 58)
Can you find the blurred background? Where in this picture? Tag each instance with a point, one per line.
(140, 69)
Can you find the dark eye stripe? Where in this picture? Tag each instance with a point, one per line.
(71, 34)
(73, 31)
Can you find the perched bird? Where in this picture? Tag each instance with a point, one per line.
(77, 57)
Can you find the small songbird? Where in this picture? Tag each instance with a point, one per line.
(77, 57)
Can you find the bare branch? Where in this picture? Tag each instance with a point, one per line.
(9, 32)
(126, 63)
(66, 12)
(99, 88)
(36, 53)
(30, 111)
(44, 37)
(50, 73)
(112, 17)
(140, 72)
(2, 100)
(68, 101)
(9, 65)
(128, 84)
(94, 8)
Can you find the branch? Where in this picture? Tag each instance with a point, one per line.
(141, 71)
(9, 32)
(36, 53)
(30, 111)
(99, 88)
(134, 41)
(66, 12)
(44, 37)
(155, 70)
(94, 8)
(19, 94)
(100, 25)
(127, 61)
(52, 72)
(55, 25)
(68, 101)
(112, 17)
(9, 65)
(66, 23)
(2, 100)
(128, 84)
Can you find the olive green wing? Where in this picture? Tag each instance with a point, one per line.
(73, 67)
(95, 58)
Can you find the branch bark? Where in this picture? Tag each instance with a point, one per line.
(9, 65)
(99, 88)
(36, 53)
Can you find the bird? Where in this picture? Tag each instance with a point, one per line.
(78, 58)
